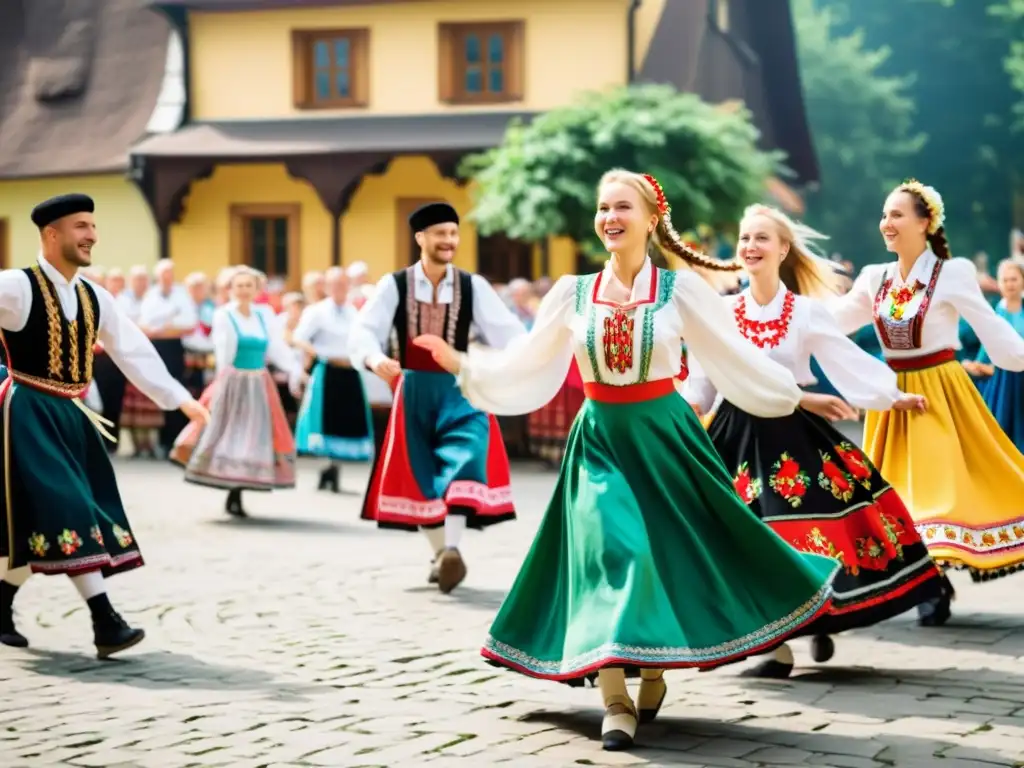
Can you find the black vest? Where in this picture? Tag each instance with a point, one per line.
(51, 353)
(457, 320)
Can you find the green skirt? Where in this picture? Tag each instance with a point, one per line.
(647, 557)
(62, 510)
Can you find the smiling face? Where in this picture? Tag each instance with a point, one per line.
(760, 249)
(439, 242)
(244, 287)
(74, 236)
(902, 226)
(623, 221)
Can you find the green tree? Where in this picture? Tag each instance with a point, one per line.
(1011, 12)
(959, 52)
(541, 181)
(862, 124)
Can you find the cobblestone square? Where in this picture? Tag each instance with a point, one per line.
(303, 636)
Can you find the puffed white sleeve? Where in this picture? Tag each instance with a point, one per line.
(853, 310)
(135, 355)
(862, 379)
(372, 327)
(1004, 345)
(225, 340)
(529, 371)
(279, 354)
(741, 374)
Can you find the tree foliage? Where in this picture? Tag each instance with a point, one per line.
(862, 124)
(959, 52)
(541, 180)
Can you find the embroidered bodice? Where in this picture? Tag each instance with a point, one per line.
(54, 352)
(864, 381)
(250, 349)
(624, 343)
(928, 321)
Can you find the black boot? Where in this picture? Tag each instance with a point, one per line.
(111, 633)
(233, 506)
(822, 648)
(936, 611)
(9, 635)
(330, 480)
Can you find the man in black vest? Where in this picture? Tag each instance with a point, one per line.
(444, 466)
(61, 510)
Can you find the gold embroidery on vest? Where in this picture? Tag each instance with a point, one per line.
(89, 318)
(53, 322)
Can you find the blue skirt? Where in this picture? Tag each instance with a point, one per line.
(334, 420)
(1004, 395)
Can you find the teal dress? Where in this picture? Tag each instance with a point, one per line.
(646, 556)
(1003, 391)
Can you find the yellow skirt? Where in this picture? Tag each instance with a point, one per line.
(958, 473)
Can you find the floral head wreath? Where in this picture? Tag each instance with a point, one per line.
(932, 200)
(659, 193)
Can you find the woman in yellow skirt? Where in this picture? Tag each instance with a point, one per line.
(961, 477)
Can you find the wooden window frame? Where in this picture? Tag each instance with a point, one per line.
(239, 242)
(451, 71)
(5, 243)
(303, 69)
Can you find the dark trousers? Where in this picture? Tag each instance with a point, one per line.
(172, 352)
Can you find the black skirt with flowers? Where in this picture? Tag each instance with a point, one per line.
(821, 494)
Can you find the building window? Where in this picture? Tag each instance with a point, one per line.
(331, 68)
(481, 63)
(266, 237)
(5, 245)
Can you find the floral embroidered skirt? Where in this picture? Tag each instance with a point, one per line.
(957, 471)
(334, 420)
(549, 426)
(440, 455)
(817, 491)
(247, 444)
(646, 557)
(65, 513)
(1003, 393)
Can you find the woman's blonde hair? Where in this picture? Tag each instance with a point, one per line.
(665, 240)
(804, 270)
(243, 269)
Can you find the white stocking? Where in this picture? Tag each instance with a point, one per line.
(454, 525)
(783, 654)
(89, 584)
(14, 576)
(435, 537)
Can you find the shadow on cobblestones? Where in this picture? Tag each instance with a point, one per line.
(163, 670)
(292, 525)
(469, 597)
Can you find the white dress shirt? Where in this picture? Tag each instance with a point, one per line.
(327, 327)
(863, 380)
(130, 304)
(127, 346)
(957, 294)
(175, 309)
(492, 319)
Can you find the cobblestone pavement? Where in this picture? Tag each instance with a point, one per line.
(304, 637)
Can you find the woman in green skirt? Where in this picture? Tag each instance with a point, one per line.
(646, 558)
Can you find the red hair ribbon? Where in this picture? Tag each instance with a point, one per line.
(659, 193)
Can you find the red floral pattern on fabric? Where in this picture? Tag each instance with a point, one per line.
(618, 342)
(789, 480)
(748, 488)
(832, 478)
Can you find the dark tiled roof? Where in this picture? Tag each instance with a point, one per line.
(79, 80)
(252, 5)
(292, 138)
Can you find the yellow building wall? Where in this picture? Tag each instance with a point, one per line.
(127, 233)
(241, 63)
(369, 228)
(202, 240)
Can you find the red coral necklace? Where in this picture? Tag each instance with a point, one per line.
(768, 333)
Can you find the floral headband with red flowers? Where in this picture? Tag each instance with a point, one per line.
(659, 193)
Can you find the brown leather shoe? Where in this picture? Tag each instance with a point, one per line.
(451, 570)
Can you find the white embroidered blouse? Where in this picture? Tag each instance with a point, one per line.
(930, 320)
(578, 317)
(864, 381)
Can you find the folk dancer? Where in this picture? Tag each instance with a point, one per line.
(62, 509)
(1002, 390)
(247, 445)
(443, 464)
(959, 474)
(646, 558)
(798, 473)
(334, 420)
